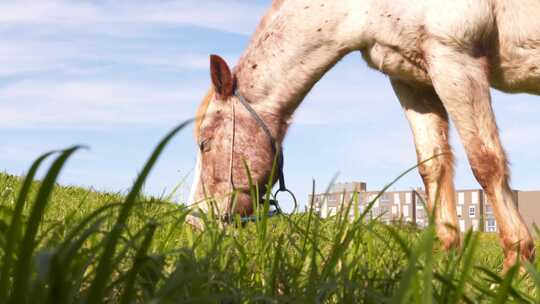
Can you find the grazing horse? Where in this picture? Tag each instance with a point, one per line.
(441, 57)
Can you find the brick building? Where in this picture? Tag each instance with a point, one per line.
(472, 206)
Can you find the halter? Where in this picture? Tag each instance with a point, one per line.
(276, 151)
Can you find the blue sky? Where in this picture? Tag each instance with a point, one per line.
(117, 75)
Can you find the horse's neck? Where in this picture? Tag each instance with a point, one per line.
(295, 45)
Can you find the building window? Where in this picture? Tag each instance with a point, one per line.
(385, 198)
(459, 210)
(406, 211)
(397, 199)
(491, 225)
(462, 225)
(472, 211)
(408, 198)
(461, 198)
(475, 196)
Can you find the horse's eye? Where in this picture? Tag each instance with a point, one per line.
(204, 145)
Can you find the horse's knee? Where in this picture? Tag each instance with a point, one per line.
(436, 167)
(489, 167)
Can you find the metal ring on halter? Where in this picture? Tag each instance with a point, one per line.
(291, 195)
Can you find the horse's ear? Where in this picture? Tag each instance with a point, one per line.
(222, 78)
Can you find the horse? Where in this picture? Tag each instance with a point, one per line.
(441, 57)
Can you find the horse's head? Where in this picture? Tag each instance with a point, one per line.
(231, 143)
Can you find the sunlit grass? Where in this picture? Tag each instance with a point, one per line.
(67, 244)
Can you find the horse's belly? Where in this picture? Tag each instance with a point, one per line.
(517, 71)
(406, 65)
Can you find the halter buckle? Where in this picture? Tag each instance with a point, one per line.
(289, 192)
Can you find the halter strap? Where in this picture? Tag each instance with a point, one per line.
(275, 147)
(276, 150)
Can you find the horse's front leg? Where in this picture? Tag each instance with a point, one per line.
(429, 123)
(461, 81)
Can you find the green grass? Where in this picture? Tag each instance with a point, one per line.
(68, 244)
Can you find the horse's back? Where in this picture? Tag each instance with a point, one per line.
(515, 58)
(506, 32)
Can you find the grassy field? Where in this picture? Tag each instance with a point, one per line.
(67, 244)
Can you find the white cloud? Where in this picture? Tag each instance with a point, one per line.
(58, 77)
(19, 56)
(93, 104)
(230, 16)
(76, 37)
(33, 11)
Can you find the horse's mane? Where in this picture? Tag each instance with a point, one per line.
(201, 111)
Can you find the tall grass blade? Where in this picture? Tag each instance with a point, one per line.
(470, 243)
(310, 218)
(23, 268)
(424, 247)
(95, 294)
(506, 285)
(62, 261)
(533, 272)
(139, 261)
(14, 227)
